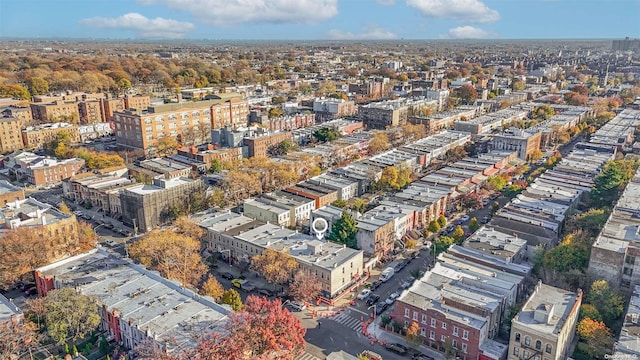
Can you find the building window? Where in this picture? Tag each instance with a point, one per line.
(455, 331)
(423, 332)
(464, 348)
(518, 337)
(548, 349)
(415, 315)
(406, 313)
(527, 341)
(424, 318)
(444, 325)
(538, 345)
(432, 335)
(465, 334)
(454, 343)
(433, 323)
(516, 351)
(443, 338)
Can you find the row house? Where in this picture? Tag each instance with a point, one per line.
(96, 189)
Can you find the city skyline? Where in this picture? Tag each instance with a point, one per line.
(321, 19)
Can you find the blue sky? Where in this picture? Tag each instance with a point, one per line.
(320, 19)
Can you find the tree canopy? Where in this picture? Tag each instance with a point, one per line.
(70, 314)
(305, 287)
(275, 266)
(344, 230)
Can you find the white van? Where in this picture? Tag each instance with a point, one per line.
(387, 274)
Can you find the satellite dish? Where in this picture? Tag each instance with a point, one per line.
(319, 227)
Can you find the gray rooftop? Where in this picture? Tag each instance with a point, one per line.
(556, 303)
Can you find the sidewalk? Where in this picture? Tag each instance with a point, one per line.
(382, 337)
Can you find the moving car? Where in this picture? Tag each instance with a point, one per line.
(364, 294)
(485, 219)
(237, 282)
(375, 285)
(421, 357)
(396, 348)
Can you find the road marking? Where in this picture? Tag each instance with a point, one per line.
(361, 312)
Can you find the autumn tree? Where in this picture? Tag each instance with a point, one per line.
(305, 287)
(64, 208)
(262, 330)
(232, 297)
(15, 91)
(413, 132)
(589, 311)
(188, 228)
(433, 227)
(379, 142)
(166, 146)
(344, 230)
(474, 225)
(467, 93)
(458, 234)
(496, 182)
(17, 338)
(595, 338)
(275, 266)
(394, 177)
(20, 253)
(442, 221)
(275, 112)
(175, 256)
(211, 287)
(36, 308)
(518, 85)
(542, 112)
(608, 302)
(37, 86)
(414, 340)
(87, 237)
(70, 314)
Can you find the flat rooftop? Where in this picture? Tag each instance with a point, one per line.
(556, 303)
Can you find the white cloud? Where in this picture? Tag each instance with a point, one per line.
(370, 33)
(158, 28)
(386, 2)
(463, 10)
(469, 32)
(234, 12)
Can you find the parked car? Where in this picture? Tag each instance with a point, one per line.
(111, 242)
(464, 218)
(396, 348)
(485, 202)
(375, 285)
(364, 294)
(421, 357)
(485, 219)
(265, 292)
(237, 282)
(296, 306)
(227, 275)
(373, 298)
(381, 307)
(407, 283)
(450, 228)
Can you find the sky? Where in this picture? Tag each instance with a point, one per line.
(320, 19)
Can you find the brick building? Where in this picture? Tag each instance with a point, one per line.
(39, 135)
(10, 136)
(320, 194)
(525, 143)
(208, 154)
(58, 110)
(230, 110)
(91, 111)
(52, 171)
(258, 146)
(21, 112)
(9, 193)
(134, 102)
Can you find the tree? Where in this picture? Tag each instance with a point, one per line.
(326, 134)
(458, 234)
(589, 311)
(595, 338)
(212, 288)
(394, 177)
(283, 148)
(344, 230)
(232, 298)
(275, 266)
(608, 302)
(275, 112)
(611, 179)
(188, 228)
(379, 143)
(20, 253)
(455, 154)
(216, 166)
(442, 243)
(442, 221)
(15, 91)
(87, 237)
(412, 132)
(175, 256)
(305, 287)
(339, 203)
(590, 221)
(37, 86)
(36, 307)
(360, 205)
(434, 227)
(518, 85)
(467, 93)
(496, 182)
(542, 112)
(70, 314)
(262, 330)
(535, 155)
(64, 208)
(414, 340)
(576, 99)
(166, 146)
(474, 225)
(17, 338)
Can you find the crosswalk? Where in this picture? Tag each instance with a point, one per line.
(307, 356)
(348, 320)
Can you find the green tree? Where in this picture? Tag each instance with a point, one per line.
(232, 298)
(611, 179)
(458, 234)
(359, 205)
(37, 86)
(496, 182)
(15, 91)
(434, 227)
(589, 311)
(70, 314)
(474, 225)
(275, 112)
(216, 166)
(441, 244)
(608, 302)
(339, 203)
(326, 134)
(344, 230)
(542, 112)
(442, 221)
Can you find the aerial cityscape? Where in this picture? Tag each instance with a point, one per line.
(310, 180)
